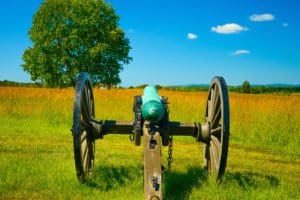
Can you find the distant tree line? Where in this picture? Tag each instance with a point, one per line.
(261, 89)
(18, 84)
(254, 89)
(244, 88)
(174, 88)
(266, 89)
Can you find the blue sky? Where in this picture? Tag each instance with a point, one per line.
(184, 42)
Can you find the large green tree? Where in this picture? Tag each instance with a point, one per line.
(70, 36)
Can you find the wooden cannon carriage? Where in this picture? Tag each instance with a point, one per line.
(151, 120)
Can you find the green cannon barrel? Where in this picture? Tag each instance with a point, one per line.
(152, 109)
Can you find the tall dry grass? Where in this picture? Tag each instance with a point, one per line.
(262, 121)
(36, 155)
(266, 121)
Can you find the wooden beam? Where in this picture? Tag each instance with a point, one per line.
(152, 163)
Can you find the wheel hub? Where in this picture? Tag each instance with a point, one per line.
(203, 132)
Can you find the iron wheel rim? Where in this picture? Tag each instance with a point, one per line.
(83, 142)
(217, 116)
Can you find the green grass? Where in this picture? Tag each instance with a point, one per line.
(36, 155)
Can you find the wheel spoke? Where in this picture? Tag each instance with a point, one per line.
(83, 137)
(85, 160)
(87, 100)
(210, 104)
(216, 132)
(208, 117)
(216, 119)
(85, 112)
(213, 157)
(215, 150)
(216, 104)
(215, 98)
(90, 103)
(85, 152)
(91, 109)
(217, 144)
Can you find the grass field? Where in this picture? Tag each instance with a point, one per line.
(36, 155)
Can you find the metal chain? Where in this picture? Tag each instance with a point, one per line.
(170, 154)
(132, 136)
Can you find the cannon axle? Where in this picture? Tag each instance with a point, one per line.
(200, 131)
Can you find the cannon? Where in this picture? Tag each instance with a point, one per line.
(151, 121)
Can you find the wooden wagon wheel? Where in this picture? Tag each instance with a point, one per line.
(83, 113)
(217, 116)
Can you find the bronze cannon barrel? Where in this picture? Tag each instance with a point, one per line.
(152, 107)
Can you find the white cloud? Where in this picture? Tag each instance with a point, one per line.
(241, 51)
(230, 28)
(192, 36)
(262, 17)
(285, 24)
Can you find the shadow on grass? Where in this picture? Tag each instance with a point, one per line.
(248, 180)
(110, 177)
(178, 185)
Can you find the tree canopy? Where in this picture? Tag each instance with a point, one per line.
(246, 87)
(70, 36)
